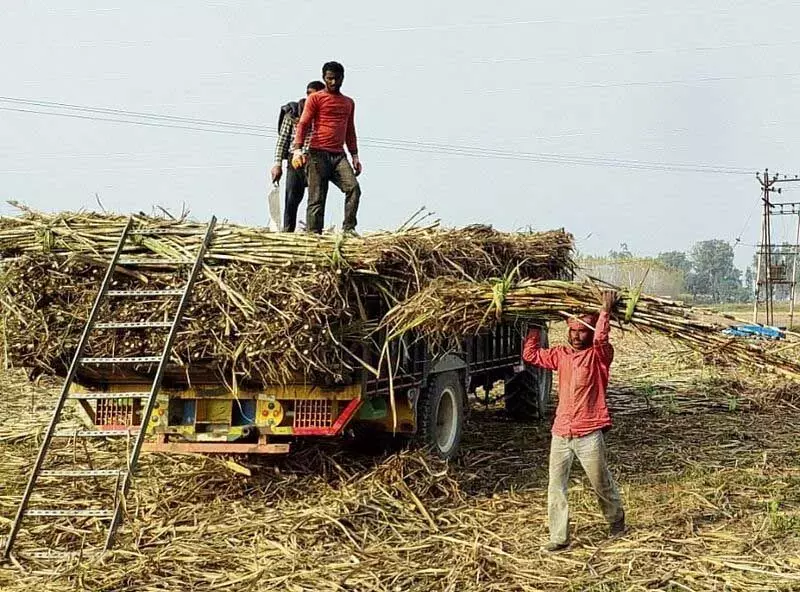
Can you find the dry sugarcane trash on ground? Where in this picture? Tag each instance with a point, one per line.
(711, 495)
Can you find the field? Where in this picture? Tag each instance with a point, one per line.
(708, 461)
(744, 312)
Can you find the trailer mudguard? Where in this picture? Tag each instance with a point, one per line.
(447, 363)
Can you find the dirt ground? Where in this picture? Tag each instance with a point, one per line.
(708, 461)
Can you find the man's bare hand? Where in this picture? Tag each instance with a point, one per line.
(357, 165)
(533, 333)
(276, 173)
(610, 298)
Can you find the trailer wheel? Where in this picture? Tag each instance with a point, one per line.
(527, 394)
(440, 415)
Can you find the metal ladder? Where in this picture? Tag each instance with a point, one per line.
(123, 475)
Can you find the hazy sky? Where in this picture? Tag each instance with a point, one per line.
(542, 87)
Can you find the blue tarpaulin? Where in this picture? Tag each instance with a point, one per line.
(757, 331)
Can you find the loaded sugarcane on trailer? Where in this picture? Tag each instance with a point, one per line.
(138, 382)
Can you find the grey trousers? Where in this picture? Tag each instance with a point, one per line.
(322, 168)
(591, 452)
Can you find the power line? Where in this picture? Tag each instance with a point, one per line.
(144, 123)
(157, 120)
(128, 113)
(269, 130)
(548, 21)
(633, 83)
(423, 147)
(549, 57)
(738, 239)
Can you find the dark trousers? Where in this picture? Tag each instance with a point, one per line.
(324, 167)
(295, 187)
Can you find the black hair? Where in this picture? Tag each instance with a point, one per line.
(334, 67)
(316, 85)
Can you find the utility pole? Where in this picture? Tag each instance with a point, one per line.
(793, 289)
(767, 274)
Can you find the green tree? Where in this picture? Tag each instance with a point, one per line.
(675, 260)
(714, 274)
(623, 253)
(749, 281)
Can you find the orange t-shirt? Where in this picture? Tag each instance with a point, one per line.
(333, 119)
(582, 381)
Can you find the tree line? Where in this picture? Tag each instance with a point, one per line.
(706, 273)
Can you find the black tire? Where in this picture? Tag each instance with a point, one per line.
(527, 395)
(441, 415)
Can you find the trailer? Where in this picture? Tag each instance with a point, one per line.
(424, 400)
(404, 387)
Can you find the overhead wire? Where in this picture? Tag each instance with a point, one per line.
(445, 26)
(737, 240)
(157, 120)
(549, 57)
(642, 83)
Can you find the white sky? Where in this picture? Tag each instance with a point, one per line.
(680, 82)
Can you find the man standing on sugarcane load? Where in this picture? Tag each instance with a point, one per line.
(295, 178)
(332, 115)
(582, 417)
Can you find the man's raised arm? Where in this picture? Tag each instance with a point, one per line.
(535, 355)
(602, 328)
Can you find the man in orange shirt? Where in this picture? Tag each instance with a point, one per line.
(332, 116)
(581, 417)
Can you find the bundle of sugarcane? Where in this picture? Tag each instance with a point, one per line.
(413, 253)
(268, 307)
(450, 308)
(288, 330)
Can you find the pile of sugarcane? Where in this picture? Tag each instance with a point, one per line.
(278, 307)
(267, 308)
(414, 253)
(450, 308)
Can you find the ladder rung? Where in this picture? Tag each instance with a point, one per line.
(71, 513)
(144, 293)
(159, 262)
(146, 231)
(54, 554)
(132, 360)
(133, 325)
(82, 473)
(107, 396)
(97, 433)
